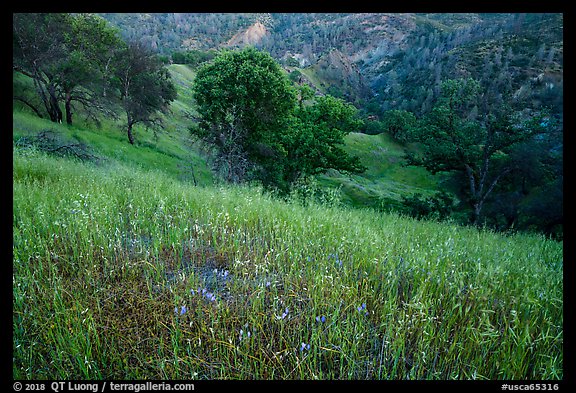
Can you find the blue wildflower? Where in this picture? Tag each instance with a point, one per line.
(362, 307)
(321, 319)
(304, 347)
(182, 310)
(336, 259)
(284, 314)
(210, 296)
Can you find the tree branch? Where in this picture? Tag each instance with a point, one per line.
(24, 101)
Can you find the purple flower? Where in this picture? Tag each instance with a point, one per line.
(204, 292)
(210, 296)
(284, 314)
(304, 347)
(321, 319)
(182, 310)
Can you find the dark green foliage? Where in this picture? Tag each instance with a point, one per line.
(86, 74)
(453, 141)
(315, 139)
(193, 57)
(438, 206)
(144, 86)
(39, 48)
(69, 59)
(292, 62)
(249, 114)
(373, 127)
(295, 76)
(512, 65)
(244, 101)
(399, 124)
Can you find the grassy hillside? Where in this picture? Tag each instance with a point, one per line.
(125, 272)
(386, 180)
(170, 150)
(123, 269)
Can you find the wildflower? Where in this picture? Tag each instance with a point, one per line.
(284, 314)
(321, 319)
(204, 292)
(304, 347)
(210, 296)
(182, 310)
(336, 259)
(361, 308)
(268, 283)
(246, 333)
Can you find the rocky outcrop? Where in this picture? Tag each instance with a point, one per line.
(251, 36)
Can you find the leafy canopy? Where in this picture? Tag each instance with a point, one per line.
(144, 85)
(248, 113)
(454, 140)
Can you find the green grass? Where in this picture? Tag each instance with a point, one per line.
(105, 256)
(168, 150)
(387, 179)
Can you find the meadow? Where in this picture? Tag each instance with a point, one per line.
(129, 272)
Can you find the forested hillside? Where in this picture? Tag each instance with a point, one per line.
(402, 57)
(392, 67)
(397, 70)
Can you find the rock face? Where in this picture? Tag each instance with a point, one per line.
(336, 69)
(251, 36)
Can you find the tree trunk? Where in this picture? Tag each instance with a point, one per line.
(130, 136)
(477, 210)
(68, 107)
(55, 112)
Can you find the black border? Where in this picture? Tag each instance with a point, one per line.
(512, 6)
